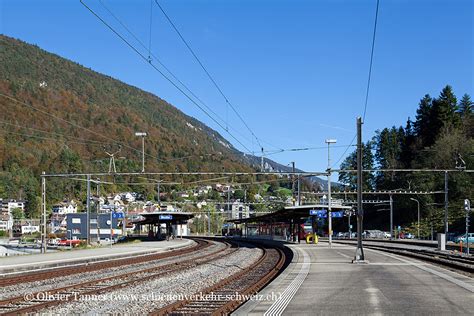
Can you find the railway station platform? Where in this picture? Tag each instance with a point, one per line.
(30, 263)
(324, 281)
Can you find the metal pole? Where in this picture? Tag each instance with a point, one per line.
(446, 228)
(293, 183)
(418, 202)
(349, 226)
(329, 198)
(98, 211)
(88, 208)
(158, 190)
(111, 225)
(391, 217)
(419, 216)
(299, 190)
(43, 201)
(209, 222)
(467, 208)
(143, 153)
(359, 256)
(467, 232)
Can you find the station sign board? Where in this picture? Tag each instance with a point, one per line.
(337, 214)
(117, 215)
(165, 217)
(318, 213)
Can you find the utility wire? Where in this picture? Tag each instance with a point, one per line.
(368, 80)
(157, 59)
(268, 153)
(53, 133)
(47, 138)
(207, 72)
(161, 73)
(151, 22)
(345, 151)
(75, 125)
(371, 60)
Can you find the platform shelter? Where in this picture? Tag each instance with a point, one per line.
(289, 223)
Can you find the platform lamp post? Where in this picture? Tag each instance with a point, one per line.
(418, 203)
(329, 142)
(142, 135)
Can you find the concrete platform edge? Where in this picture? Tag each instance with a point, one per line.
(278, 285)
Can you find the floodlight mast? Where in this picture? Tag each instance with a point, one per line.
(329, 142)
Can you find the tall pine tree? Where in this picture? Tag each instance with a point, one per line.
(423, 123)
(465, 106)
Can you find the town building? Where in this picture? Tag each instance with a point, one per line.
(65, 207)
(6, 213)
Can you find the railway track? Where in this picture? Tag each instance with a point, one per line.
(35, 302)
(225, 296)
(453, 261)
(89, 267)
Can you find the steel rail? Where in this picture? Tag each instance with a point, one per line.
(88, 267)
(238, 286)
(18, 305)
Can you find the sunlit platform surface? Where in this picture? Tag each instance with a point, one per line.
(323, 281)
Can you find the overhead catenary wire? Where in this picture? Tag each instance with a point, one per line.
(371, 61)
(37, 108)
(158, 60)
(51, 133)
(268, 153)
(162, 74)
(207, 73)
(368, 79)
(149, 34)
(48, 138)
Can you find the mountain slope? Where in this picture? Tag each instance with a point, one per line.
(111, 111)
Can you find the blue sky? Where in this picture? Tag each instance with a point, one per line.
(295, 70)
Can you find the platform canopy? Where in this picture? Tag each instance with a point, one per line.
(161, 217)
(290, 212)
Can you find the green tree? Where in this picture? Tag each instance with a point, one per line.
(350, 163)
(17, 213)
(423, 123)
(444, 110)
(465, 106)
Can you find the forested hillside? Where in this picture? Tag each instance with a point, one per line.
(440, 137)
(58, 116)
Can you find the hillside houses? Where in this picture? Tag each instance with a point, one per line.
(65, 207)
(6, 212)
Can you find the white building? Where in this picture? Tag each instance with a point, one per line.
(28, 229)
(65, 207)
(239, 210)
(6, 216)
(6, 222)
(128, 197)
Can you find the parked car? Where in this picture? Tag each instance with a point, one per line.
(386, 235)
(407, 236)
(69, 242)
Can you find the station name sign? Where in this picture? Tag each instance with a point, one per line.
(324, 214)
(165, 217)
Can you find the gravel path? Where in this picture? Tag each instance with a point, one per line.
(45, 285)
(149, 295)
